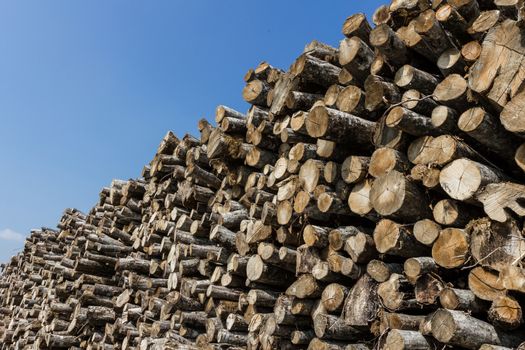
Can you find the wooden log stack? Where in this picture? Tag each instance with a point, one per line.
(370, 198)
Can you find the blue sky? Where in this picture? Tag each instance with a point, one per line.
(88, 88)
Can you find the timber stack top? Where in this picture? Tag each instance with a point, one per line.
(370, 198)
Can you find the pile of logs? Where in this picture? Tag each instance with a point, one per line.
(372, 197)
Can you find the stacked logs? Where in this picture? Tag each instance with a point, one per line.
(371, 197)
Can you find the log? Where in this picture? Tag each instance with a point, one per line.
(311, 70)
(256, 92)
(258, 271)
(428, 175)
(362, 303)
(332, 327)
(496, 197)
(445, 119)
(408, 77)
(401, 339)
(495, 245)
(452, 62)
(357, 25)
(396, 196)
(453, 22)
(426, 231)
(410, 122)
(334, 296)
(354, 169)
(499, 80)
(397, 294)
(506, 312)
(463, 178)
(459, 329)
(429, 28)
(417, 102)
(356, 57)
(451, 248)
(448, 212)
(461, 299)
(351, 99)
(385, 159)
(392, 320)
(415, 267)
(440, 150)
(467, 8)
(389, 44)
(380, 93)
(452, 92)
(305, 287)
(360, 247)
(471, 51)
(395, 239)
(485, 284)
(485, 21)
(331, 124)
(485, 129)
(359, 199)
(315, 236)
(340, 212)
(381, 271)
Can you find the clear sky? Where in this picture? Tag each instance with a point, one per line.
(88, 88)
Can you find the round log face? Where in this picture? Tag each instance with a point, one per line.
(404, 75)
(388, 193)
(252, 90)
(380, 35)
(412, 267)
(255, 268)
(426, 231)
(449, 58)
(451, 248)
(354, 169)
(353, 23)
(425, 21)
(333, 296)
(382, 161)
(444, 147)
(394, 116)
(446, 212)
(471, 51)
(506, 311)
(451, 88)
(325, 202)
(460, 179)
(449, 299)
(298, 66)
(485, 284)
(349, 99)
(389, 232)
(471, 119)
(317, 121)
(359, 199)
(443, 326)
(348, 49)
(310, 174)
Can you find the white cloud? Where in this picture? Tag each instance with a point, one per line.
(10, 235)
